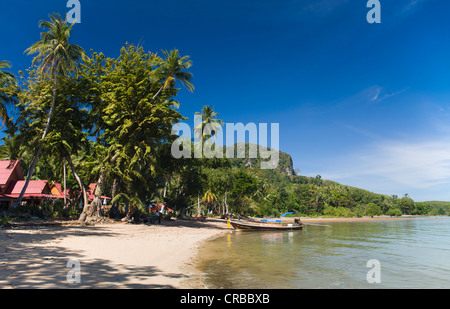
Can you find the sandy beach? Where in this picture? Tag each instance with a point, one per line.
(111, 255)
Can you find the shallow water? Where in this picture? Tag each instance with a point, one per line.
(412, 253)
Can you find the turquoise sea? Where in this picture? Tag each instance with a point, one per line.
(410, 254)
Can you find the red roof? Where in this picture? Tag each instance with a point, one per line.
(7, 168)
(12, 182)
(58, 186)
(31, 195)
(91, 192)
(34, 187)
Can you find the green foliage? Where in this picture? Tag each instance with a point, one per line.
(436, 208)
(244, 184)
(209, 126)
(340, 211)
(373, 210)
(4, 221)
(394, 212)
(406, 205)
(134, 204)
(358, 211)
(54, 54)
(7, 83)
(113, 118)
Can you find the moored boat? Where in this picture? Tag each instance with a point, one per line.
(266, 226)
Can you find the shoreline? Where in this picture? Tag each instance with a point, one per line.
(115, 255)
(356, 219)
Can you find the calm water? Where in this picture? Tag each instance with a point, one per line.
(412, 253)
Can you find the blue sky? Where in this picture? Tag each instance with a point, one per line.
(367, 105)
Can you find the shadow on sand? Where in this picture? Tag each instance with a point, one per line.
(27, 260)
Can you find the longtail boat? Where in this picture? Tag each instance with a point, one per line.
(266, 227)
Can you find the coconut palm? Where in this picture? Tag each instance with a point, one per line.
(210, 198)
(55, 56)
(6, 78)
(209, 117)
(172, 69)
(134, 203)
(11, 148)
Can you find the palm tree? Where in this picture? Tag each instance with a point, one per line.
(134, 203)
(209, 198)
(173, 68)
(6, 78)
(209, 117)
(55, 56)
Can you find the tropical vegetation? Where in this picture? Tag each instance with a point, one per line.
(109, 121)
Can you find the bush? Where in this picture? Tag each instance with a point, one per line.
(394, 212)
(4, 221)
(30, 210)
(358, 211)
(331, 211)
(373, 210)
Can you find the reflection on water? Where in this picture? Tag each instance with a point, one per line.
(413, 254)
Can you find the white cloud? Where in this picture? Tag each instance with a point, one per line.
(420, 168)
(387, 149)
(379, 94)
(411, 4)
(377, 91)
(416, 164)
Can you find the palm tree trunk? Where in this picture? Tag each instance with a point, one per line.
(94, 207)
(64, 192)
(114, 213)
(41, 144)
(160, 89)
(165, 186)
(226, 205)
(78, 178)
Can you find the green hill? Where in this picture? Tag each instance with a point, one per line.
(281, 190)
(285, 164)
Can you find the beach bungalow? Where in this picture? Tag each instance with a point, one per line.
(90, 193)
(12, 182)
(10, 170)
(58, 190)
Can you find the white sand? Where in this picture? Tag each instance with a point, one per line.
(110, 256)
